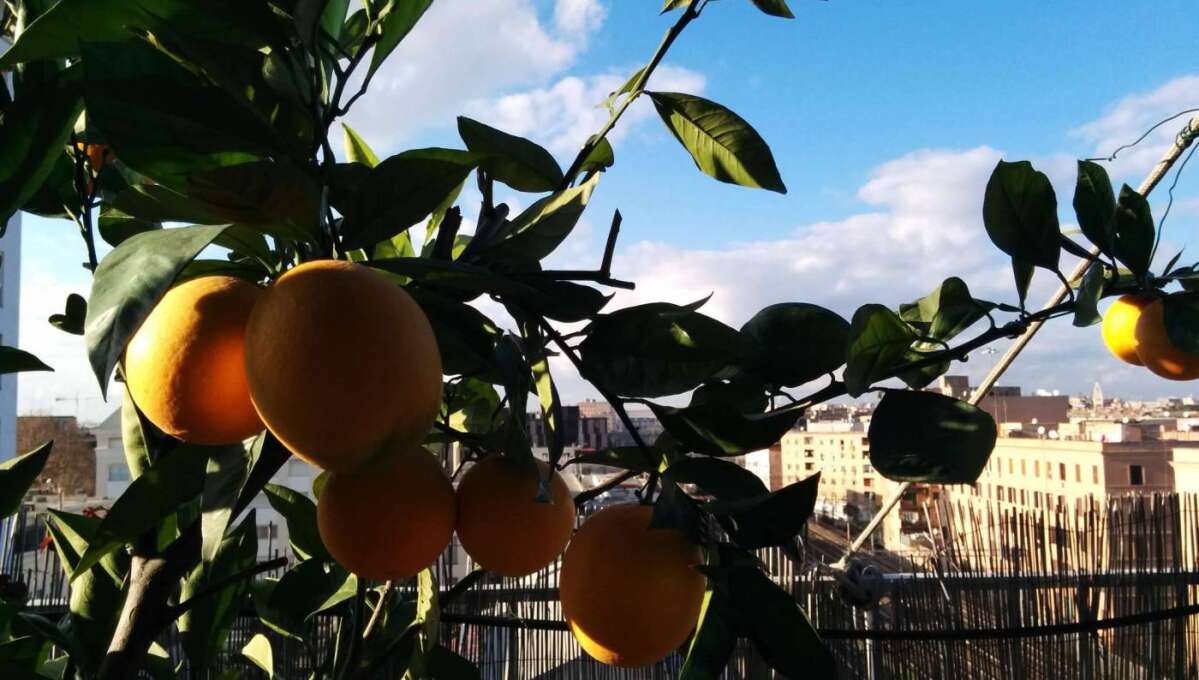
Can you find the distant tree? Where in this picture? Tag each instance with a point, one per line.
(71, 467)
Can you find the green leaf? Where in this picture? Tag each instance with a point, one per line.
(1022, 271)
(720, 142)
(18, 474)
(267, 456)
(721, 430)
(402, 191)
(945, 312)
(1095, 205)
(768, 520)
(172, 481)
(1135, 231)
(454, 277)
(779, 629)
(13, 360)
(397, 19)
(258, 651)
(1020, 214)
(657, 349)
(129, 282)
(714, 640)
(446, 664)
(33, 131)
(308, 588)
(273, 197)
(560, 300)
(1086, 304)
(206, 624)
(515, 161)
(878, 343)
(72, 319)
(95, 596)
(116, 227)
(426, 623)
(623, 457)
(723, 479)
(1180, 313)
(799, 342)
(465, 337)
(672, 5)
(929, 437)
(775, 8)
(601, 157)
(357, 150)
(225, 476)
(300, 513)
(542, 227)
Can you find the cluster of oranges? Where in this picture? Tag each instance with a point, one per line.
(1134, 329)
(342, 366)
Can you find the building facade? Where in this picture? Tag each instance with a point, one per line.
(10, 303)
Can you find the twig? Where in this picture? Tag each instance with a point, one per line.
(455, 591)
(610, 246)
(582, 275)
(616, 481)
(379, 607)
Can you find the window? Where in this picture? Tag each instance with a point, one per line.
(114, 442)
(117, 472)
(268, 531)
(867, 482)
(1023, 468)
(1037, 467)
(1023, 498)
(998, 492)
(1061, 471)
(1077, 472)
(1011, 495)
(1011, 466)
(1095, 474)
(1136, 475)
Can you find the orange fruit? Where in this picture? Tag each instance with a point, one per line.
(630, 594)
(1156, 351)
(341, 361)
(391, 518)
(1120, 327)
(185, 365)
(501, 524)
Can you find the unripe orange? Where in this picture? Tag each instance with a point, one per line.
(631, 594)
(1120, 327)
(341, 361)
(391, 518)
(185, 365)
(1156, 351)
(501, 524)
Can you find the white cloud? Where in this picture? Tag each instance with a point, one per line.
(1129, 118)
(562, 116)
(579, 17)
(464, 50)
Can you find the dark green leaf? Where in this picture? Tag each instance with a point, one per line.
(537, 231)
(1086, 305)
(1022, 272)
(623, 457)
(779, 629)
(767, 520)
(743, 393)
(879, 342)
(446, 664)
(775, 8)
(798, 342)
(172, 481)
(226, 474)
(720, 142)
(271, 196)
(465, 337)
(671, 5)
(657, 349)
(205, 626)
(33, 131)
(1020, 213)
(300, 513)
(713, 642)
(18, 474)
(601, 157)
(258, 651)
(928, 437)
(1180, 313)
(1095, 205)
(721, 430)
(72, 319)
(1135, 231)
(402, 191)
(116, 227)
(267, 456)
(455, 276)
(397, 19)
(945, 312)
(515, 161)
(721, 478)
(13, 360)
(129, 282)
(560, 300)
(308, 588)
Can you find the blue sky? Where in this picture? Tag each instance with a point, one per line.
(885, 119)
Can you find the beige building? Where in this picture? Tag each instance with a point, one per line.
(1049, 474)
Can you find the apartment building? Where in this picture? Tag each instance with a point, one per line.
(10, 298)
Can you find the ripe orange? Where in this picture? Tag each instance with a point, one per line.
(501, 524)
(1120, 327)
(185, 365)
(391, 518)
(1156, 351)
(341, 361)
(630, 594)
